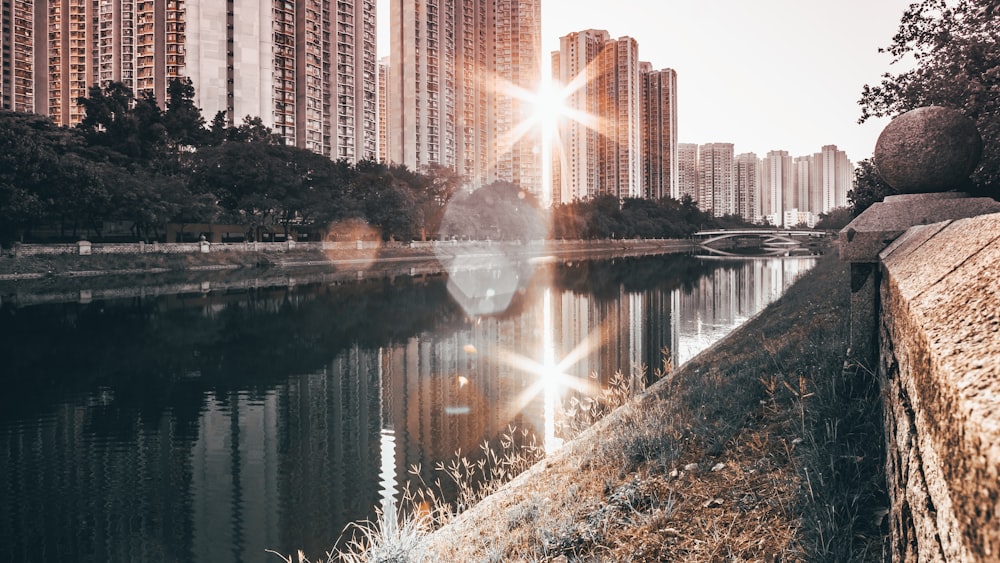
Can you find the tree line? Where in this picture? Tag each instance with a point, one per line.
(953, 51)
(131, 162)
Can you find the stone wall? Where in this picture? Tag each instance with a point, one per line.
(939, 365)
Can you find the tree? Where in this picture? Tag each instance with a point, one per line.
(434, 187)
(836, 219)
(249, 180)
(497, 211)
(869, 187)
(32, 153)
(389, 204)
(956, 50)
(117, 120)
(182, 120)
(253, 130)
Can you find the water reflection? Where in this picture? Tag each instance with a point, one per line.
(209, 427)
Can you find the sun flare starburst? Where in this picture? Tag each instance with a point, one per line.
(544, 111)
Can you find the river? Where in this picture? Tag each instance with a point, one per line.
(212, 426)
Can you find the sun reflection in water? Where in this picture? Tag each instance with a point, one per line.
(550, 378)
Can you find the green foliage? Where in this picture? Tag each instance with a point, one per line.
(182, 119)
(836, 219)
(130, 161)
(955, 49)
(498, 211)
(869, 187)
(602, 217)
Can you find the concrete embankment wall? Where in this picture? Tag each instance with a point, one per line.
(939, 363)
(88, 248)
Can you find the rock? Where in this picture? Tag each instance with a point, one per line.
(929, 149)
(712, 503)
(691, 467)
(718, 466)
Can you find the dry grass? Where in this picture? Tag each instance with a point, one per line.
(765, 448)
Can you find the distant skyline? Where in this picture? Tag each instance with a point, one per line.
(764, 75)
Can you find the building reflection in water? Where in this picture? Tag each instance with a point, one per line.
(229, 453)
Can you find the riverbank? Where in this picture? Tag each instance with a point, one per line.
(43, 277)
(767, 447)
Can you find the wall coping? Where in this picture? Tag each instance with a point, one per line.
(940, 371)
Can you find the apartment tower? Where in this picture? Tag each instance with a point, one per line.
(601, 154)
(777, 186)
(383, 110)
(747, 186)
(306, 68)
(17, 79)
(620, 108)
(803, 175)
(687, 170)
(454, 70)
(578, 150)
(716, 193)
(659, 133)
(838, 177)
(54, 51)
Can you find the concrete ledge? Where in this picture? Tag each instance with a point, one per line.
(940, 371)
(879, 225)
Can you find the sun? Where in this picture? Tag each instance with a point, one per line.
(548, 104)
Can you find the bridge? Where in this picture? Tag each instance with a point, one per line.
(774, 242)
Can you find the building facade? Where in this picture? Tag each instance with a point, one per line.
(620, 114)
(602, 153)
(777, 186)
(838, 177)
(747, 187)
(454, 70)
(716, 193)
(17, 80)
(659, 133)
(306, 68)
(577, 169)
(687, 170)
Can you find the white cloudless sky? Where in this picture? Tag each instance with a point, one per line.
(762, 74)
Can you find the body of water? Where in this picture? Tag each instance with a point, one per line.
(214, 426)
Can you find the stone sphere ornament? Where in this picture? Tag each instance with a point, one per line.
(929, 149)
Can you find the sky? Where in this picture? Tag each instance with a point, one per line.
(762, 74)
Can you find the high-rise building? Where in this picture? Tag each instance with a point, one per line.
(715, 179)
(659, 132)
(306, 68)
(687, 170)
(518, 66)
(777, 186)
(17, 53)
(747, 187)
(816, 183)
(803, 174)
(602, 155)
(383, 110)
(455, 68)
(578, 151)
(838, 177)
(620, 112)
